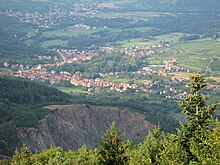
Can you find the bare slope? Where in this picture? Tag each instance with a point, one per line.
(71, 126)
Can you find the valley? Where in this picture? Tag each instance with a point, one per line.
(136, 55)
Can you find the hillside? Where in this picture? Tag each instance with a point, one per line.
(72, 126)
(20, 107)
(21, 91)
(156, 5)
(199, 6)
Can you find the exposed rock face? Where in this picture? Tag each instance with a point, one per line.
(71, 126)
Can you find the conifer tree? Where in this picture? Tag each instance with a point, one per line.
(4, 162)
(21, 157)
(208, 151)
(111, 148)
(198, 115)
(147, 152)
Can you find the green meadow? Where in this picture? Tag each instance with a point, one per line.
(115, 79)
(202, 54)
(69, 31)
(131, 15)
(54, 43)
(71, 90)
(173, 38)
(199, 54)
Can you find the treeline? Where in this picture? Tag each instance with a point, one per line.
(21, 91)
(196, 141)
(188, 23)
(102, 38)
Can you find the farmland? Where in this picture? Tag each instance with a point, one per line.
(54, 42)
(69, 31)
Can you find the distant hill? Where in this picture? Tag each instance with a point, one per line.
(182, 5)
(157, 5)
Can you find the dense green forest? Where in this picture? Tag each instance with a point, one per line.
(21, 91)
(195, 142)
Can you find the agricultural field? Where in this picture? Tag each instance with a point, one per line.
(201, 55)
(172, 38)
(69, 31)
(74, 90)
(198, 55)
(115, 79)
(54, 43)
(131, 15)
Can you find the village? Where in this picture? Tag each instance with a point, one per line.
(55, 14)
(42, 72)
(47, 68)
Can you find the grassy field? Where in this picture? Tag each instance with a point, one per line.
(124, 80)
(178, 75)
(215, 65)
(53, 43)
(202, 54)
(69, 31)
(131, 15)
(172, 38)
(199, 54)
(115, 79)
(29, 42)
(71, 90)
(137, 42)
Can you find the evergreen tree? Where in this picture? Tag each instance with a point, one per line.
(147, 152)
(22, 157)
(82, 156)
(111, 148)
(172, 152)
(198, 116)
(208, 151)
(53, 155)
(4, 162)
